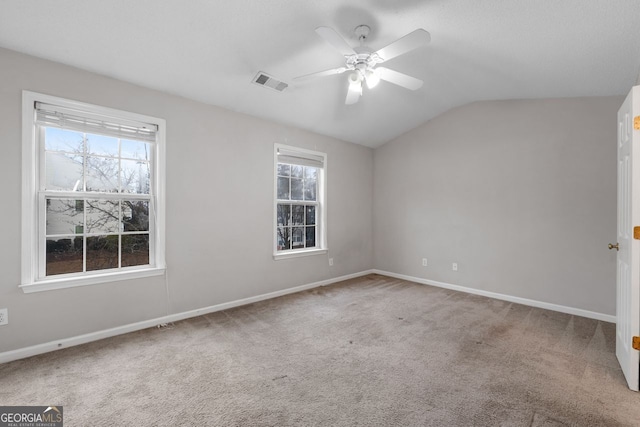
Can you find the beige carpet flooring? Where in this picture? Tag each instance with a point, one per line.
(372, 351)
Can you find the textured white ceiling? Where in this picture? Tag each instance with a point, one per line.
(210, 50)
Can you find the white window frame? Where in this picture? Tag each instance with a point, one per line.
(33, 228)
(321, 206)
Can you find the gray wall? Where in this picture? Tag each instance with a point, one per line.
(521, 194)
(219, 209)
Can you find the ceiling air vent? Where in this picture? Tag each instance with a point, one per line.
(266, 80)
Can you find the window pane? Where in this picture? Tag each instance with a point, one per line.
(63, 140)
(297, 215)
(296, 189)
(297, 238)
(310, 215)
(136, 177)
(135, 150)
(283, 188)
(63, 172)
(135, 215)
(63, 256)
(311, 237)
(284, 238)
(296, 171)
(102, 252)
(103, 216)
(102, 145)
(63, 216)
(102, 174)
(284, 170)
(284, 214)
(310, 173)
(310, 190)
(135, 250)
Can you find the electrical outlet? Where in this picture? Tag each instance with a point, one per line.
(424, 262)
(4, 316)
(330, 261)
(454, 267)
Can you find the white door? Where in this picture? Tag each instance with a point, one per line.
(628, 259)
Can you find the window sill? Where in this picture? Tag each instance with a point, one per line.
(299, 253)
(71, 282)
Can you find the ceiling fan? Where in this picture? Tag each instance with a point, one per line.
(362, 61)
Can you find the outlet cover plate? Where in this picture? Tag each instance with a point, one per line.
(4, 316)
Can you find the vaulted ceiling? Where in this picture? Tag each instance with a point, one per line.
(210, 51)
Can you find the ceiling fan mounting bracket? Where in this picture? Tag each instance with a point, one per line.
(362, 32)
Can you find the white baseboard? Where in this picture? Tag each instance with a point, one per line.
(518, 300)
(22, 353)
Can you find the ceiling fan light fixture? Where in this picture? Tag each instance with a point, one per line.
(372, 79)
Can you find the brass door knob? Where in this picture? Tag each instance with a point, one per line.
(611, 246)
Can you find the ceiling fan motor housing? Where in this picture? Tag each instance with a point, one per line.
(364, 60)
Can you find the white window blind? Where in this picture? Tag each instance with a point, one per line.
(299, 158)
(66, 118)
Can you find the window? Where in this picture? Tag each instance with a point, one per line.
(93, 183)
(300, 209)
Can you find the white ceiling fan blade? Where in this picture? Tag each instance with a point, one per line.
(399, 79)
(322, 73)
(352, 97)
(353, 93)
(335, 40)
(405, 44)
